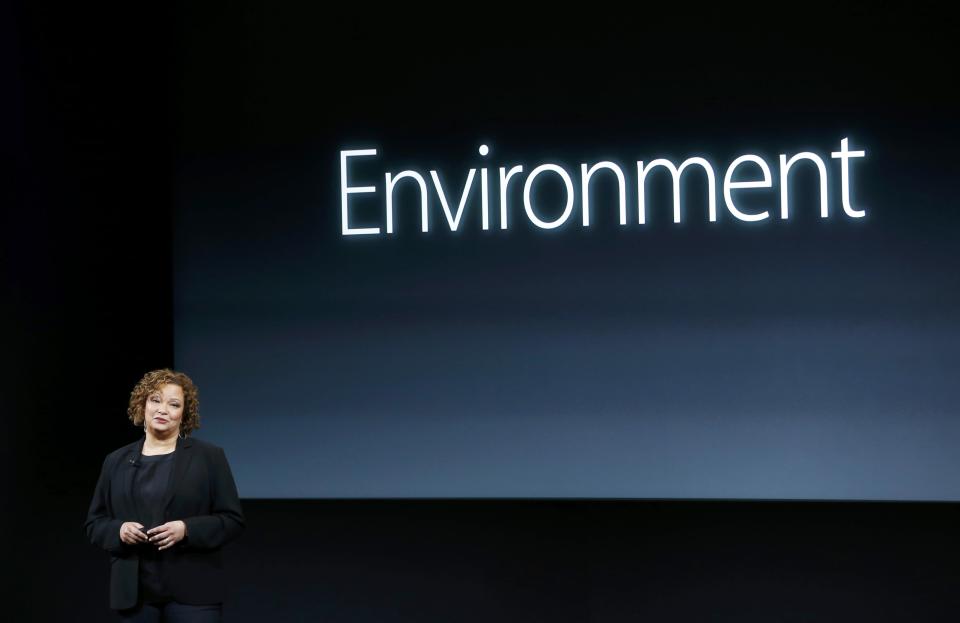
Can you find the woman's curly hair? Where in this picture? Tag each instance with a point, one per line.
(152, 382)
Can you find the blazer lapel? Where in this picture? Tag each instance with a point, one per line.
(128, 471)
(181, 463)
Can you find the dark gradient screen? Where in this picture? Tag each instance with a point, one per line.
(798, 358)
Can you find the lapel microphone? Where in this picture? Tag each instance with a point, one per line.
(134, 462)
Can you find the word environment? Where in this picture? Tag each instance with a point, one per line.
(762, 179)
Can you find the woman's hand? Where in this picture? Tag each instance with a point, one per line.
(130, 533)
(168, 534)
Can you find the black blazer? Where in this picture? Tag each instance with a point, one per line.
(201, 493)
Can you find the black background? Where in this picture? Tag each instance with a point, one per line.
(95, 135)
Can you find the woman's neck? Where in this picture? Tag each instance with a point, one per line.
(160, 445)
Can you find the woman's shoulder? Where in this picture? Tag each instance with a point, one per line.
(205, 446)
(121, 452)
(211, 453)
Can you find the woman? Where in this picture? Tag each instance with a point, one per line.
(163, 507)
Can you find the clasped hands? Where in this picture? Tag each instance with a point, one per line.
(163, 536)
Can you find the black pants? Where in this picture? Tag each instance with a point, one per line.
(172, 612)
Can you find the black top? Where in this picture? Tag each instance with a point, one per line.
(150, 485)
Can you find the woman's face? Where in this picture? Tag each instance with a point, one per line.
(163, 410)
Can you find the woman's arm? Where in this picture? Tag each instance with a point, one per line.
(102, 529)
(225, 521)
